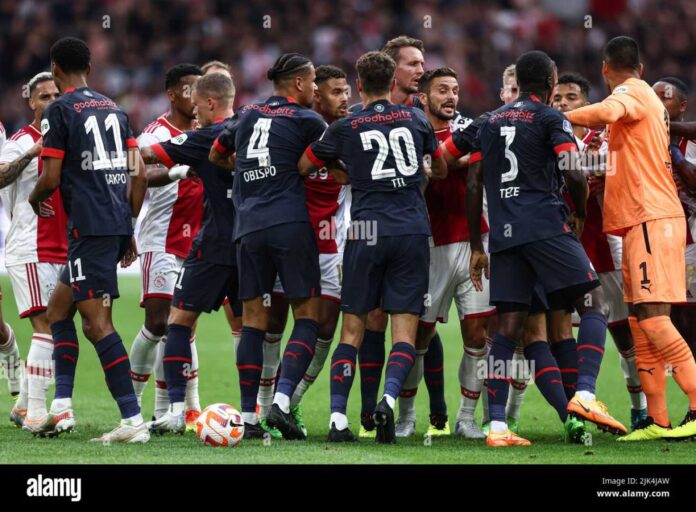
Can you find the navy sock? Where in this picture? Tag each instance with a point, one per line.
(177, 354)
(434, 375)
(547, 376)
(566, 354)
(66, 350)
(371, 357)
(250, 365)
(298, 354)
(591, 337)
(399, 364)
(497, 383)
(342, 375)
(116, 365)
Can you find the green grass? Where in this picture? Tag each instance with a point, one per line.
(96, 413)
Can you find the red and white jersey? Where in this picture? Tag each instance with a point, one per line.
(603, 250)
(31, 239)
(446, 200)
(175, 211)
(326, 203)
(3, 136)
(688, 200)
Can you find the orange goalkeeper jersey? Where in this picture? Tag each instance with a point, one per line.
(639, 183)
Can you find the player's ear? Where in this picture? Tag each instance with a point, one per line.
(358, 84)
(393, 85)
(502, 91)
(170, 95)
(89, 69)
(640, 69)
(682, 106)
(423, 98)
(605, 68)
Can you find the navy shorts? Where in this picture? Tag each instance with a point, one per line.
(92, 264)
(392, 273)
(202, 286)
(286, 250)
(557, 266)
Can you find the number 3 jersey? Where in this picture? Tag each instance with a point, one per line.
(269, 139)
(382, 147)
(519, 143)
(91, 134)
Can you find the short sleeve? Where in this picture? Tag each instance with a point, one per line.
(225, 142)
(11, 151)
(190, 148)
(328, 147)
(146, 139)
(54, 131)
(314, 128)
(630, 97)
(431, 146)
(560, 133)
(131, 141)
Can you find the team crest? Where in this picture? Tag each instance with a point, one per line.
(88, 94)
(179, 139)
(567, 127)
(45, 126)
(159, 281)
(620, 89)
(379, 108)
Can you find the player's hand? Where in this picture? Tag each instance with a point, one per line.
(131, 254)
(577, 224)
(596, 184)
(46, 209)
(478, 265)
(35, 150)
(596, 141)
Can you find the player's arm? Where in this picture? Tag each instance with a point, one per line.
(173, 158)
(223, 152)
(10, 171)
(48, 182)
(478, 264)
(619, 105)
(138, 187)
(576, 182)
(325, 152)
(685, 169)
(438, 165)
(683, 129)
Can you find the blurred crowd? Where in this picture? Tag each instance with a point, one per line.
(133, 42)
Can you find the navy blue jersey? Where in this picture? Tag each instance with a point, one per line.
(215, 240)
(91, 134)
(464, 137)
(519, 143)
(382, 147)
(269, 139)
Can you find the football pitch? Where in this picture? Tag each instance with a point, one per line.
(96, 413)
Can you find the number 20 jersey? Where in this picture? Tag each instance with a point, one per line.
(519, 145)
(91, 135)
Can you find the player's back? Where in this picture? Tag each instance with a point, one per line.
(519, 143)
(269, 139)
(91, 134)
(639, 184)
(382, 147)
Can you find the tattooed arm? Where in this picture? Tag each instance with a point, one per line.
(10, 171)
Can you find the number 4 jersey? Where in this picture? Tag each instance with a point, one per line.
(91, 134)
(519, 144)
(382, 147)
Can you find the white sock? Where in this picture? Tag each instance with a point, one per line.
(498, 426)
(60, 404)
(39, 373)
(192, 399)
(271, 360)
(23, 397)
(236, 338)
(250, 417)
(142, 358)
(585, 396)
(177, 408)
(283, 401)
(161, 394)
(407, 397)
(321, 352)
(472, 373)
(518, 386)
(484, 396)
(133, 421)
(390, 401)
(339, 419)
(630, 371)
(11, 362)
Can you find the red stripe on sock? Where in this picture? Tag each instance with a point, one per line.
(581, 347)
(402, 354)
(569, 370)
(434, 370)
(546, 370)
(351, 363)
(67, 344)
(184, 359)
(249, 367)
(114, 363)
(295, 342)
(371, 365)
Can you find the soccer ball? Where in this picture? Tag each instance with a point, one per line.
(220, 425)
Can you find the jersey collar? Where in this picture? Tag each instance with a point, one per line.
(69, 89)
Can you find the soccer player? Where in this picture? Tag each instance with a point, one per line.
(209, 272)
(572, 92)
(386, 257)
(273, 231)
(326, 202)
(215, 66)
(167, 230)
(642, 205)
(674, 94)
(534, 245)
(449, 265)
(35, 248)
(89, 152)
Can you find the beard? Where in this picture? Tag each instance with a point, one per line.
(441, 114)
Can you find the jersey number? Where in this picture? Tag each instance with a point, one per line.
(509, 133)
(103, 161)
(258, 144)
(78, 270)
(395, 137)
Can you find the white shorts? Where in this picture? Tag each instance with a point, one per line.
(33, 284)
(159, 273)
(691, 273)
(449, 280)
(331, 267)
(612, 286)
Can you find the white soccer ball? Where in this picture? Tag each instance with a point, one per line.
(220, 425)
